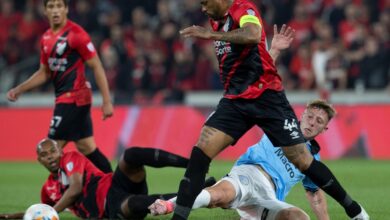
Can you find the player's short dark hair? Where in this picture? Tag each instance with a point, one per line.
(66, 2)
(324, 105)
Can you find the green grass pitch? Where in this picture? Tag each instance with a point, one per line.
(367, 181)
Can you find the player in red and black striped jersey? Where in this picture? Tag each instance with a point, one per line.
(65, 47)
(75, 183)
(253, 95)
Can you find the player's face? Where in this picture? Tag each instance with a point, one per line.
(314, 122)
(56, 11)
(49, 156)
(213, 9)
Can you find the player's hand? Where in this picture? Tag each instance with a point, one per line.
(196, 31)
(108, 110)
(282, 39)
(13, 94)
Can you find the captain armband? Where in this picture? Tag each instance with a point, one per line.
(249, 19)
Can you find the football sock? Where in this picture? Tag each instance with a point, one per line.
(323, 177)
(209, 181)
(202, 200)
(192, 183)
(138, 156)
(100, 161)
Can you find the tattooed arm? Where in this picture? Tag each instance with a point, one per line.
(249, 33)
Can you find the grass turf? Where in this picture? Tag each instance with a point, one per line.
(367, 181)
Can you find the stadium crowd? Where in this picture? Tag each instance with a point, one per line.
(339, 44)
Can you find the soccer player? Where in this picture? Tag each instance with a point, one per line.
(253, 95)
(65, 47)
(262, 177)
(75, 183)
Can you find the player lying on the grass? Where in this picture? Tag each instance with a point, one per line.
(75, 183)
(262, 177)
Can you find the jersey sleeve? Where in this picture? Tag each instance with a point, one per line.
(246, 13)
(74, 162)
(43, 57)
(83, 44)
(45, 198)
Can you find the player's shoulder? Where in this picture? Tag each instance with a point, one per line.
(76, 28)
(240, 7)
(46, 35)
(243, 5)
(71, 155)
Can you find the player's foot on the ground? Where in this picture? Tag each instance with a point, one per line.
(363, 215)
(210, 181)
(161, 207)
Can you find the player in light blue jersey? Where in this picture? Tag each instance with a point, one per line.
(262, 177)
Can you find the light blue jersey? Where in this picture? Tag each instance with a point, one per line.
(284, 174)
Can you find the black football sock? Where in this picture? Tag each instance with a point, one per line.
(137, 156)
(210, 181)
(100, 161)
(192, 183)
(323, 177)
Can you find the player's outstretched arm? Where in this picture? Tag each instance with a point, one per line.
(249, 33)
(318, 204)
(17, 215)
(37, 79)
(101, 81)
(72, 193)
(281, 40)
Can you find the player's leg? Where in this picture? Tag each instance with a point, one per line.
(87, 146)
(275, 210)
(219, 195)
(222, 128)
(73, 123)
(137, 157)
(321, 175)
(85, 142)
(292, 213)
(210, 143)
(136, 206)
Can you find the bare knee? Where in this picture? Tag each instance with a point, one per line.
(86, 145)
(299, 155)
(293, 213)
(219, 198)
(222, 194)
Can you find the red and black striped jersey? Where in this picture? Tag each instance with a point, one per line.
(96, 184)
(246, 70)
(64, 53)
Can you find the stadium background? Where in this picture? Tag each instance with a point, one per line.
(164, 86)
(341, 52)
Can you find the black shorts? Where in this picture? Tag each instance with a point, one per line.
(271, 111)
(121, 188)
(71, 122)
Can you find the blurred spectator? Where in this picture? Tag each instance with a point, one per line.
(301, 68)
(8, 19)
(339, 44)
(302, 23)
(374, 66)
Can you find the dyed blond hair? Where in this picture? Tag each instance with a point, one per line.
(324, 105)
